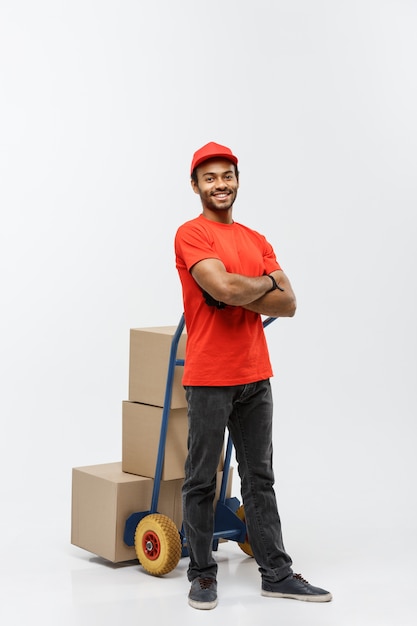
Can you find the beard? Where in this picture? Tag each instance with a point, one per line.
(217, 205)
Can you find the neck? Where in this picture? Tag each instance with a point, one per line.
(222, 217)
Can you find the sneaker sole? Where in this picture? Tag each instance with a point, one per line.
(202, 605)
(292, 596)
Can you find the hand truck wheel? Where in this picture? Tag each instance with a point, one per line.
(245, 546)
(157, 544)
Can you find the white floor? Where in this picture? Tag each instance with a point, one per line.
(45, 578)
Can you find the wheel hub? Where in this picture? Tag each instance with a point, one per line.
(151, 545)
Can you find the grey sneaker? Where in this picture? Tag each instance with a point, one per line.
(203, 593)
(295, 587)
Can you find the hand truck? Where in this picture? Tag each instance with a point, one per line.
(158, 543)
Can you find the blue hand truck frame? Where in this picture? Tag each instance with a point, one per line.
(227, 523)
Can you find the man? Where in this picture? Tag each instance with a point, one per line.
(230, 277)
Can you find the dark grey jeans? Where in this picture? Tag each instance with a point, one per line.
(246, 410)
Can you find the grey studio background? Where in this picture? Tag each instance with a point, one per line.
(102, 105)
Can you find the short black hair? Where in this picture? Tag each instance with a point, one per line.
(194, 172)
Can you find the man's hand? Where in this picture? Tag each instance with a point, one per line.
(210, 301)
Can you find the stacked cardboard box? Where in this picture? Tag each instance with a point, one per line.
(142, 414)
(104, 496)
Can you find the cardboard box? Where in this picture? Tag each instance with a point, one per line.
(150, 350)
(103, 497)
(141, 429)
(141, 433)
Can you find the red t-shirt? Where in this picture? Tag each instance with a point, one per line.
(224, 346)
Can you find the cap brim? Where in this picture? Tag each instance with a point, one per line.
(227, 157)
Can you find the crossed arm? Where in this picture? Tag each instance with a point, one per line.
(252, 293)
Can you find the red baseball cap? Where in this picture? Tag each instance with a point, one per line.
(210, 151)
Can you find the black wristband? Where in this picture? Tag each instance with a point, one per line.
(274, 284)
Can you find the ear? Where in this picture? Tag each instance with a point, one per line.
(195, 187)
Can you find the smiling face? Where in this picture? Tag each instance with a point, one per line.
(217, 186)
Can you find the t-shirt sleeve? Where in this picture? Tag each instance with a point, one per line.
(270, 260)
(193, 245)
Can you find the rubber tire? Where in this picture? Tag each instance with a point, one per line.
(157, 544)
(245, 546)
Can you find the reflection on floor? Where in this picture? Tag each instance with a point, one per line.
(44, 577)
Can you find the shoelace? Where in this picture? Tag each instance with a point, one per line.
(205, 583)
(299, 577)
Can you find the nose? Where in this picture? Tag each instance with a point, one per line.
(220, 184)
